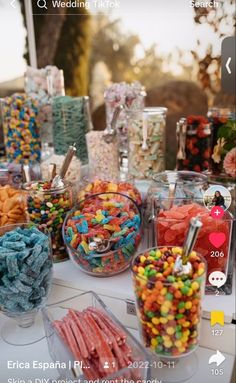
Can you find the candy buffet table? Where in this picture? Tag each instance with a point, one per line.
(117, 294)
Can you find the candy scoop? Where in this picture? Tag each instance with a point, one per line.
(110, 131)
(182, 266)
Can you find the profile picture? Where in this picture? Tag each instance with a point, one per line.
(217, 195)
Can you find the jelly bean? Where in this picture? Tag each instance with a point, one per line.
(169, 305)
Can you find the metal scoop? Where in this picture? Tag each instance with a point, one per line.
(110, 131)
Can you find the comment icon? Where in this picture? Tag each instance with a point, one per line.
(217, 279)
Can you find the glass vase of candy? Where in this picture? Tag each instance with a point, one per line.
(169, 310)
(147, 142)
(194, 144)
(47, 206)
(25, 280)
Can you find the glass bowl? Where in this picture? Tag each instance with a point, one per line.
(137, 364)
(113, 218)
(25, 277)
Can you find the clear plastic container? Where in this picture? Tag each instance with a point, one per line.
(118, 248)
(147, 131)
(12, 206)
(59, 350)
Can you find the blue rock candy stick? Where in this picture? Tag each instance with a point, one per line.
(8, 284)
(37, 249)
(39, 261)
(17, 246)
(26, 279)
(21, 287)
(12, 265)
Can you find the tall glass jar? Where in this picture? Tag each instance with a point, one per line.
(223, 145)
(147, 142)
(71, 122)
(194, 144)
(44, 84)
(132, 98)
(21, 129)
(47, 208)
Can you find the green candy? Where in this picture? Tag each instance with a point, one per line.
(159, 349)
(152, 273)
(170, 278)
(152, 253)
(178, 328)
(178, 335)
(187, 283)
(169, 296)
(160, 339)
(181, 305)
(179, 316)
(150, 314)
(185, 290)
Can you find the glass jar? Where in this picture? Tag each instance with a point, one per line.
(194, 144)
(43, 84)
(71, 122)
(132, 98)
(147, 142)
(21, 129)
(169, 308)
(223, 158)
(47, 208)
(103, 156)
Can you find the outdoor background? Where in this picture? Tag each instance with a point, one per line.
(172, 49)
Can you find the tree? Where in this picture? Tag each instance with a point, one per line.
(63, 40)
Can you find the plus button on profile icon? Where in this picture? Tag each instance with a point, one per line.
(217, 212)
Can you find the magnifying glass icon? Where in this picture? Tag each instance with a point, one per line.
(42, 4)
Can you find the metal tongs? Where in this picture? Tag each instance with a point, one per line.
(100, 245)
(110, 131)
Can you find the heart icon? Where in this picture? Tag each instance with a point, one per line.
(217, 239)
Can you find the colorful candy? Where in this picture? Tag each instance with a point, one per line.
(194, 144)
(147, 142)
(25, 269)
(47, 207)
(97, 342)
(102, 233)
(101, 186)
(169, 307)
(103, 156)
(21, 129)
(172, 226)
(12, 206)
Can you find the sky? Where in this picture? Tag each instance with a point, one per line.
(169, 23)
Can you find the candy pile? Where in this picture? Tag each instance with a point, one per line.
(172, 226)
(73, 173)
(43, 84)
(194, 144)
(21, 129)
(70, 124)
(96, 340)
(110, 221)
(25, 269)
(131, 96)
(103, 156)
(169, 307)
(100, 186)
(147, 143)
(47, 208)
(12, 206)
